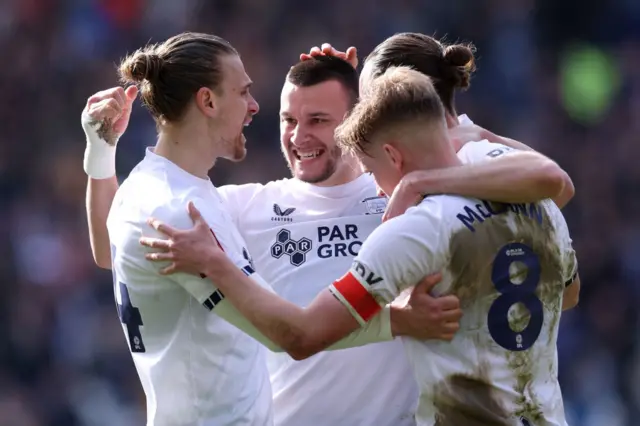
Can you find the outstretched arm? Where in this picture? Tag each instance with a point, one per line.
(301, 332)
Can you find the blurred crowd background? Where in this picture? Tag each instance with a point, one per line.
(561, 76)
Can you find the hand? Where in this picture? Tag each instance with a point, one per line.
(426, 317)
(107, 113)
(404, 196)
(188, 250)
(463, 134)
(351, 55)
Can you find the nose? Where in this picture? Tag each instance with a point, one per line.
(254, 107)
(299, 135)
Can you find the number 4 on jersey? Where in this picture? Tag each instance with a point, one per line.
(130, 316)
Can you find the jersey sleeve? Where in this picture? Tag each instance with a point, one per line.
(474, 152)
(565, 243)
(397, 255)
(175, 214)
(237, 197)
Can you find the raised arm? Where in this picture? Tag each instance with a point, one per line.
(104, 120)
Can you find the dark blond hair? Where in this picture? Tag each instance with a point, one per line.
(401, 96)
(169, 74)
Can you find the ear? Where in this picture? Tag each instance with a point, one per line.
(206, 101)
(394, 156)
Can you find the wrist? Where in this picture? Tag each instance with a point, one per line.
(217, 264)
(420, 183)
(397, 318)
(100, 160)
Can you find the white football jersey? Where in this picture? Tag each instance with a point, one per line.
(508, 265)
(303, 237)
(195, 367)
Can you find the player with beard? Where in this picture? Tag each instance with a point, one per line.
(450, 67)
(308, 229)
(509, 264)
(195, 367)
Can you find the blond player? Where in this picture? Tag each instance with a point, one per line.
(510, 264)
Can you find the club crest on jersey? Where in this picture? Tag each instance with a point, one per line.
(375, 205)
(296, 249)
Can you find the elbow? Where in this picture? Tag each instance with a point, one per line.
(552, 180)
(102, 260)
(302, 344)
(567, 193)
(570, 302)
(303, 349)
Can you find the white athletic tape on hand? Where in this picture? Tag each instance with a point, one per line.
(99, 156)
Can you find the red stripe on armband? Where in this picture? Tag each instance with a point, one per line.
(356, 295)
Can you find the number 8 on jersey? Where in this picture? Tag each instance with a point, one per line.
(512, 293)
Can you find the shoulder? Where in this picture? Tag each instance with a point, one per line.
(249, 192)
(473, 152)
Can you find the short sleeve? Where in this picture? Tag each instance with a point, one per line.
(237, 197)
(474, 152)
(396, 256)
(219, 221)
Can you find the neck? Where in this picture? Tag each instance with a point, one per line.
(188, 148)
(346, 172)
(440, 155)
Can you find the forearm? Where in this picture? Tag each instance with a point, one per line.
(518, 177)
(100, 195)
(509, 142)
(568, 190)
(378, 329)
(278, 320)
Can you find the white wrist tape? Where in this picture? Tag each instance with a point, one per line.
(99, 156)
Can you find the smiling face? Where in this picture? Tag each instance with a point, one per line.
(308, 118)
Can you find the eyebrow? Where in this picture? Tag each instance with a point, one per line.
(312, 115)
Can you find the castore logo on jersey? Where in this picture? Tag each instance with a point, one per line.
(282, 215)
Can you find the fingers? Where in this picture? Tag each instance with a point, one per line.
(106, 108)
(168, 270)
(156, 243)
(315, 51)
(428, 282)
(451, 316)
(131, 92)
(195, 215)
(352, 56)
(159, 257)
(116, 93)
(161, 227)
(446, 303)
